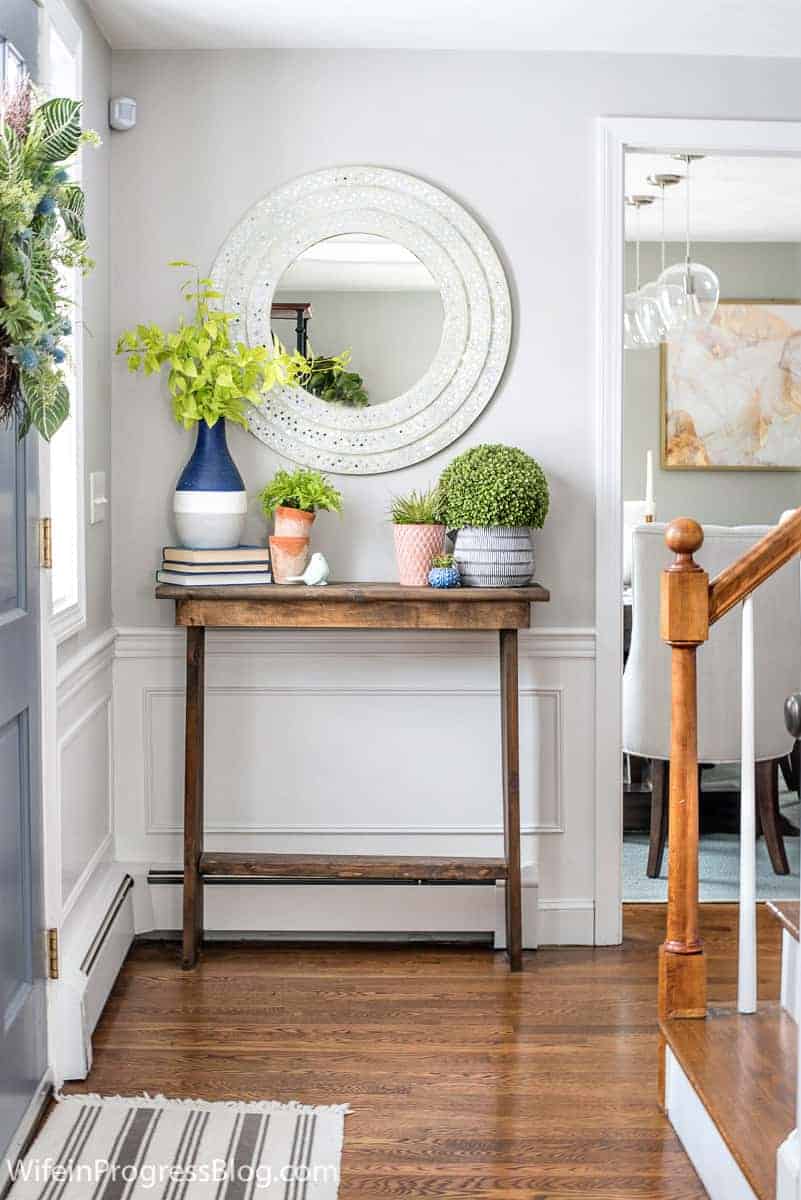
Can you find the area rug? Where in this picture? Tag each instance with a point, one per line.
(128, 1148)
(718, 866)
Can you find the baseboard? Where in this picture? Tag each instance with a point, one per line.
(25, 1132)
(566, 922)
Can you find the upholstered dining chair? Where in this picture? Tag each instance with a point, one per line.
(646, 680)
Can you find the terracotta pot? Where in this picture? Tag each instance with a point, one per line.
(289, 556)
(415, 547)
(292, 523)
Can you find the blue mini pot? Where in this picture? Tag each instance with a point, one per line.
(444, 577)
(210, 499)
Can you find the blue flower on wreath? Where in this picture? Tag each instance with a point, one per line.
(27, 357)
(46, 206)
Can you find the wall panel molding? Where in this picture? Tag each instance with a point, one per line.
(152, 725)
(81, 668)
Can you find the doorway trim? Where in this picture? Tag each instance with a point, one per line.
(616, 135)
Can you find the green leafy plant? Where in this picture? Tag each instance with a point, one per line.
(442, 560)
(330, 380)
(493, 485)
(416, 508)
(42, 235)
(304, 489)
(209, 377)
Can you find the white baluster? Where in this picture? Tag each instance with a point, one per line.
(746, 967)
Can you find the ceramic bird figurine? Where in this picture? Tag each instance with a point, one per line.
(316, 574)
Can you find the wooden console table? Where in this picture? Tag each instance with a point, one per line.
(350, 606)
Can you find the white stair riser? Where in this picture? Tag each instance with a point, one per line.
(698, 1134)
(789, 992)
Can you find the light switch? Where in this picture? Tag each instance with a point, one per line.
(97, 497)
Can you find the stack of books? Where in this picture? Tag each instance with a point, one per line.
(213, 568)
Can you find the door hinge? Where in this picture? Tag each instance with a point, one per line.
(52, 954)
(45, 542)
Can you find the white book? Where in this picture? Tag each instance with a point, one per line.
(195, 569)
(233, 577)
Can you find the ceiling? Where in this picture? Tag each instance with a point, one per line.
(731, 199)
(355, 262)
(770, 28)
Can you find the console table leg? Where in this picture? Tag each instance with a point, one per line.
(193, 794)
(510, 752)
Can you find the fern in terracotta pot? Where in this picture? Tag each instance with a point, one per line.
(419, 536)
(292, 500)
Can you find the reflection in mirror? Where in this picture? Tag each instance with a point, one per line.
(370, 297)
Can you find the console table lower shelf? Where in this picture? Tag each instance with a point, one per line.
(349, 606)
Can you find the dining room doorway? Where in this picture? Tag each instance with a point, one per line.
(654, 463)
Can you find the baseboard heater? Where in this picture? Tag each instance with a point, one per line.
(106, 925)
(174, 876)
(89, 972)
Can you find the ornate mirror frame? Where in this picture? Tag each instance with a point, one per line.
(476, 329)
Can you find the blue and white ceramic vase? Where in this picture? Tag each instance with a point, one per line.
(210, 499)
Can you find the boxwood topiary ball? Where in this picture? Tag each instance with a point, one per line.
(493, 485)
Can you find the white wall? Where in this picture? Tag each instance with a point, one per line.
(512, 137)
(747, 270)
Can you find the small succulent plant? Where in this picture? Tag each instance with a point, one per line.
(444, 573)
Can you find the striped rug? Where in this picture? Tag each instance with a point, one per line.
(129, 1148)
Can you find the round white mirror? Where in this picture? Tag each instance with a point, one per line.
(366, 298)
(391, 270)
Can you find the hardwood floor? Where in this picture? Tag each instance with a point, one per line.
(465, 1080)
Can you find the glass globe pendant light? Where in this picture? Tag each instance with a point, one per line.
(642, 310)
(633, 334)
(699, 284)
(669, 296)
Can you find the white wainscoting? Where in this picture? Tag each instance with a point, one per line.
(80, 838)
(84, 767)
(374, 743)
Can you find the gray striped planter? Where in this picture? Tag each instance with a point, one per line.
(494, 556)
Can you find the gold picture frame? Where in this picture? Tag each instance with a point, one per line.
(664, 408)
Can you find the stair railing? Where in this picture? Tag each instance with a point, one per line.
(690, 605)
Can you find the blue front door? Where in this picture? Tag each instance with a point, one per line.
(23, 1050)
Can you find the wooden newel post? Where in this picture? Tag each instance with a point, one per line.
(684, 625)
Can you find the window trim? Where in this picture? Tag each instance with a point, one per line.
(71, 619)
(8, 50)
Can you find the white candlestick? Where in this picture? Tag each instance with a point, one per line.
(649, 484)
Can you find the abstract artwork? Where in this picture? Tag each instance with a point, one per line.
(731, 392)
